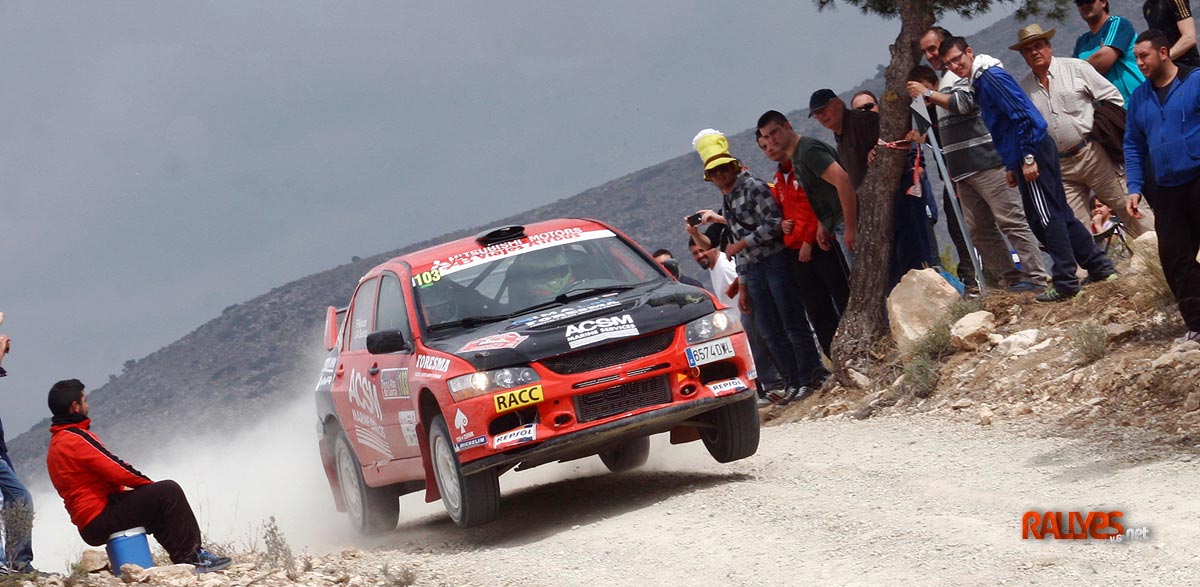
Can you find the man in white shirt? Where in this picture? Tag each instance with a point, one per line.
(1064, 90)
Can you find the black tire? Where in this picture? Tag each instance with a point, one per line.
(372, 510)
(627, 455)
(470, 500)
(732, 431)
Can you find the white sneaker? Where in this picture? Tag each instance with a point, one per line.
(1191, 335)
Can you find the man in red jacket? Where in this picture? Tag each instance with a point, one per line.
(104, 494)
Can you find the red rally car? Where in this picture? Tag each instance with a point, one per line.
(522, 346)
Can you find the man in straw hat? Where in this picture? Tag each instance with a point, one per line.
(766, 269)
(1031, 159)
(1065, 91)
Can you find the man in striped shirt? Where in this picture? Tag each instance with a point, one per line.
(1031, 159)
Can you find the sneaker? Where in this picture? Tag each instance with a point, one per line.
(795, 393)
(207, 562)
(764, 401)
(1100, 278)
(5, 571)
(1024, 286)
(776, 395)
(1053, 295)
(1191, 335)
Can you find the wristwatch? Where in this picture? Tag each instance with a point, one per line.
(928, 92)
(1028, 160)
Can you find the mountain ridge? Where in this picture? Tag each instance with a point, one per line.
(259, 352)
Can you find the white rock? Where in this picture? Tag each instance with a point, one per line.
(962, 403)
(985, 416)
(93, 559)
(172, 572)
(972, 331)
(1192, 403)
(1022, 408)
(1017, 342)
(131, 573)
(918, 302)
(860, 380)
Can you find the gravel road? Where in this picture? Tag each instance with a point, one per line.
(899, 500)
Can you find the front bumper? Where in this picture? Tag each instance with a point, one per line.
(595, 438)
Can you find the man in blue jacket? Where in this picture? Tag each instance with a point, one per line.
(1031, 160)
(1162, 136)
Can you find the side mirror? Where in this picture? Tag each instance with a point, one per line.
(386, 341)
(672, 266)
(331, 328)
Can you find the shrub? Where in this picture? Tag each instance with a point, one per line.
(279, 553)
(1088, 340)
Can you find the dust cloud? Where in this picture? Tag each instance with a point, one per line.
(236, 482)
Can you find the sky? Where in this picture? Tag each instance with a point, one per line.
(160, 161)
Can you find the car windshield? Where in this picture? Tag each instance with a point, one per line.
(542, 270)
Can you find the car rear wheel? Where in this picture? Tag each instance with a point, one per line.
(470, 500)
(732, 431)
(373, 510)
(627, 455)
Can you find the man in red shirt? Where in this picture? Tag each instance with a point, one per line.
(104, 494)
(824, 275)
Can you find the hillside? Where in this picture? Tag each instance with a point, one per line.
(262, 352)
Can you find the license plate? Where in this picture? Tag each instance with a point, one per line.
(709, 352)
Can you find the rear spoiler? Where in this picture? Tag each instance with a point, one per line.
(333, 323)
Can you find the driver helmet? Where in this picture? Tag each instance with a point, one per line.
(546, 272)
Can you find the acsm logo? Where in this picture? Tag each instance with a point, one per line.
(599, 329)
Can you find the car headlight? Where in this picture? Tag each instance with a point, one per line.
(715, 325)
(481, 382)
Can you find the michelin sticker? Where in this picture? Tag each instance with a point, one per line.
(600, 329)
(729, 385)
(470, 442)
(526, 433)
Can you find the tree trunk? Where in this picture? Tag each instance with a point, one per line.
(864, 325)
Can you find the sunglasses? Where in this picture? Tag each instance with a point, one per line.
(867, 107)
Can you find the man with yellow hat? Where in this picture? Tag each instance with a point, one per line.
(766, 270)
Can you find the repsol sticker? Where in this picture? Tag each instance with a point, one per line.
(600, 329)
(729, 385)
(511, 400)
(526, 433)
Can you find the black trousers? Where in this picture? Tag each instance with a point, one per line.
(1178, 228)
(825, 290)
(161, 508)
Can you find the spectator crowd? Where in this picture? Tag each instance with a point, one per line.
(1035, 170)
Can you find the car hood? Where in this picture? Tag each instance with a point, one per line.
(577, 325)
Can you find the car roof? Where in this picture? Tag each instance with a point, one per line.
(428, 255)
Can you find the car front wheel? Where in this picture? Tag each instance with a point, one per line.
(470, 500)
(731, 431)
(373, 510)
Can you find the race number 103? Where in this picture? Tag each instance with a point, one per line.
(426, 277)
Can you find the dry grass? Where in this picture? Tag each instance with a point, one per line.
(1089, 340)
(1152, 277)
(279, 553)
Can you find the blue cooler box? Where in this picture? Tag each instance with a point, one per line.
(129, 546)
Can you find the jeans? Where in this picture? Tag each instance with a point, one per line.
(768, 376)
(779, 315)
(18, 519)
